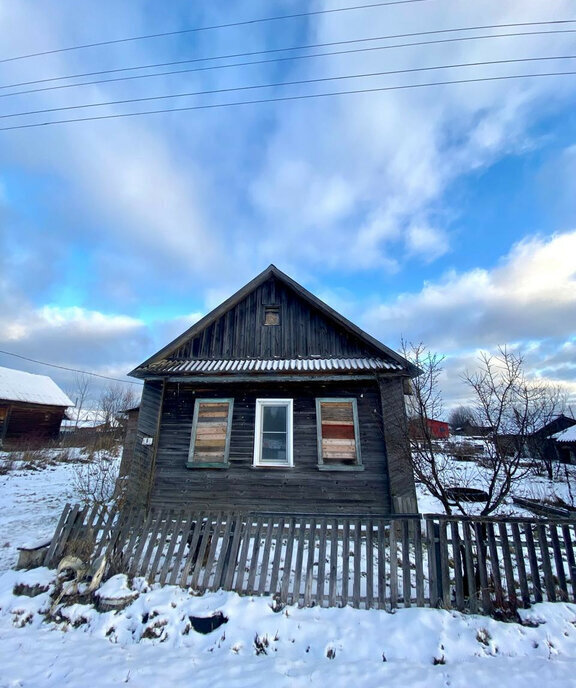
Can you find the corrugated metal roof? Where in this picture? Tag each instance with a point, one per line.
(255, 366)
(16, 385)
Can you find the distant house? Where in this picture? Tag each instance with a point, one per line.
(470, 430)
(274, 402)
(437, 429)
(32, 407)
(542, 444)
(565, 441)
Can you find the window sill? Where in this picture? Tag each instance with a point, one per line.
(349, 469)
(274, 467)
(207, 465)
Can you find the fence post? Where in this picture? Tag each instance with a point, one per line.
(434, 558)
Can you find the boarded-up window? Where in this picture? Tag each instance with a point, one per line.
(210, 442)
(338, 439)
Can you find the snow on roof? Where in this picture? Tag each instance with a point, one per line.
(568, 435)
(16, 385)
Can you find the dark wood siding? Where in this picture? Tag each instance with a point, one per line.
(142, 461)
(303, 331)
(300, 489)
(29, 423)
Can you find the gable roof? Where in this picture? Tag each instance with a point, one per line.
(16, 385)
(392, 360)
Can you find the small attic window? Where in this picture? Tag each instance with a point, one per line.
(271, 315)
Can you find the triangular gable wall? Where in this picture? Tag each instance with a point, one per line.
(308, 328)
(303, 331)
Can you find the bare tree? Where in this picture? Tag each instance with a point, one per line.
(461, 416)
(81, 395)
(114, 400)
(430, 464)
(503, 399)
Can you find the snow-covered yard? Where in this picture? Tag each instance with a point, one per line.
(151, 642)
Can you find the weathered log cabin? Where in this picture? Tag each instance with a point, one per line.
(274, 402)
(32, 408)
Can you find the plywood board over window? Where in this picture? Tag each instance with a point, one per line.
(338, 435)
(210, 441)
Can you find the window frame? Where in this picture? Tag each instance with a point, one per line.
(190, 463)
(260, 405)
(322, 466)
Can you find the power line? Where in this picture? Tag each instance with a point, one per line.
(72, 370)
(298, 82)
(288, 98)
(257, 62)
(314, 45)
(212, 28)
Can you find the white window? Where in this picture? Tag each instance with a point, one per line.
(273, 432)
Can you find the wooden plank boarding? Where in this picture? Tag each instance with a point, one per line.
(309, 581)
(470, 590)
(508, 568)
(558, 563)
(545, 554)
(406, 582)
(533, 560)
(369, 564)
(393, 565)
(418, 564)
(479, 530)
(457, 556)
(57, 535)
(286, 574)
(520, 565)
(570, 557)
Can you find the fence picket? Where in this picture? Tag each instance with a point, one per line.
(457, 556)
(508, 569)
(570, 557)
(546, 565)
(278, 548)
(520, 565)
(558, 562)
(364, 561)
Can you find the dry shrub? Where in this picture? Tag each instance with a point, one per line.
(95, 480)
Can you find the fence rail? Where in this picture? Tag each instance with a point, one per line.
(367, 562)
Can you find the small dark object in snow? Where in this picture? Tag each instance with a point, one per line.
(466, 494)
(384, 658)
(439, 660)
(331, 653)
(207, 624)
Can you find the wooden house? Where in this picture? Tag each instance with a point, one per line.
(32, 408)
(274, 402)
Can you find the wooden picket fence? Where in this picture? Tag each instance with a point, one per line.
(474, 564)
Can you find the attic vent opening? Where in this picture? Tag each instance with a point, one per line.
(271, 315)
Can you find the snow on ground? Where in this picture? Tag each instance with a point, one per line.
(151, 642)
(31, 502)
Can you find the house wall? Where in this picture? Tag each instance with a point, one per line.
(142, 460)
(302, 488)
(22, 423)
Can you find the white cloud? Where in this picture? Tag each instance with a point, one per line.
(394, 154)
(530, 295)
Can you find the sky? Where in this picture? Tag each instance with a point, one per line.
(439, 214)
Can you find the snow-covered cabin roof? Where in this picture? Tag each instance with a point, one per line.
(16, 385)
(568, 435)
